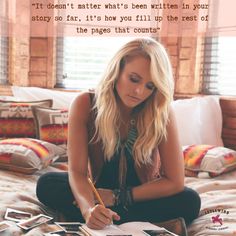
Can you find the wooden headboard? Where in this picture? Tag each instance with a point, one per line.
(228, 107)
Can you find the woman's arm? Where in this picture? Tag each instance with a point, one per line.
(96, 216)
(172, 165)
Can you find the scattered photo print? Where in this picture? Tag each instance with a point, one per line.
(4, 226)
(16, 215)
(51, 228)
(158, 232)
(70, 227)
(62, 233)
(34, 221)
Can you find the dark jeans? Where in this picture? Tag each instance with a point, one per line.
(54, 191)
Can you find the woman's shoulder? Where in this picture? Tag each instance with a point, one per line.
(84, 98)
(82, 104)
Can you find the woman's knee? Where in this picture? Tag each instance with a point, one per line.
(44, 184)
(48, 185)
(192, 202)
(193, 198)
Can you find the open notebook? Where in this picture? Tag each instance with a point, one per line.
(128, 229)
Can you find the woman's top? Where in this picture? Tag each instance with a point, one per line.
(97, 164)
(109, 177)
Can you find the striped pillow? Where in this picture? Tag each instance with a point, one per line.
(27, 155)
(52, 124)
(207, 158)
(16, 118)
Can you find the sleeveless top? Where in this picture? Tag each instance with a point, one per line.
(106, 173)
(110, 173)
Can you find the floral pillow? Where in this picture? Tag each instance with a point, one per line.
(214, 160)
(27, 155)
(16, 118)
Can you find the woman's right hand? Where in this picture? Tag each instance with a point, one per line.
(99, 217)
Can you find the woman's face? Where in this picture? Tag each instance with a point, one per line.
(134, 84)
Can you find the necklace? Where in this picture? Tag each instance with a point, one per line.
(125, 128)
(132, 122)
(129, 124)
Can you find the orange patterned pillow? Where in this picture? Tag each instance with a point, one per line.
(207, 158)
(16, 118)
(27, 155)
(52, 124)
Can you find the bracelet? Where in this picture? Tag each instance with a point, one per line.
(116, 194)
(129, 197)
(123, 197)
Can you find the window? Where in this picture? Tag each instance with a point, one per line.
(220, 53)
(3, 60)
(81, 61)
(219, 66)
(3, 44)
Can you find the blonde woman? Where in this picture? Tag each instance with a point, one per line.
(124, 137)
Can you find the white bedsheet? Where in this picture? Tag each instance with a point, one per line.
(218, 210)
(217, 215)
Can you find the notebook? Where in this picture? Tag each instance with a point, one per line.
(126, 229)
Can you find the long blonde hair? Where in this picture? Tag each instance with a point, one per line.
(153, 117)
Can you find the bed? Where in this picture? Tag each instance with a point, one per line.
(217, 190)
(17, 191)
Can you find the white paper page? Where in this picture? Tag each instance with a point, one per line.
(109, 230)
(129, 228)
(135, 228)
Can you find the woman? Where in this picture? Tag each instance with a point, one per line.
(125, 138)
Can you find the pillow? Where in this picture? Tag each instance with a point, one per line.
(51, 124)
(8, 98)
(16, 118)
(199, 120)
(61, 99)
(27, 155)
(214, 160)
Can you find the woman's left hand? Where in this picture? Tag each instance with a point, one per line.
(107, 197)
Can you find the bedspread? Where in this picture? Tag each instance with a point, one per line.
(218, 210)
(217, 215)
(17, 191)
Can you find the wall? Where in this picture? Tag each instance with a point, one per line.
(228, 107)
(33, 60)
(19, 53)
(186, 52)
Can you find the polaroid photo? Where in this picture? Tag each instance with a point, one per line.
(34, 221)
(159, 232)
(4, 226)
(63, 233)
(16, 215)
(70, 227)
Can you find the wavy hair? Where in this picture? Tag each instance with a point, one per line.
(152, 117)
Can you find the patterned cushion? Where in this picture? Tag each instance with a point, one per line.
(207, 158)
(27, 155)
(16, 118)
(51, 124)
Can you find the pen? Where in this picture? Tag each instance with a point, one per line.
(96, 192)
